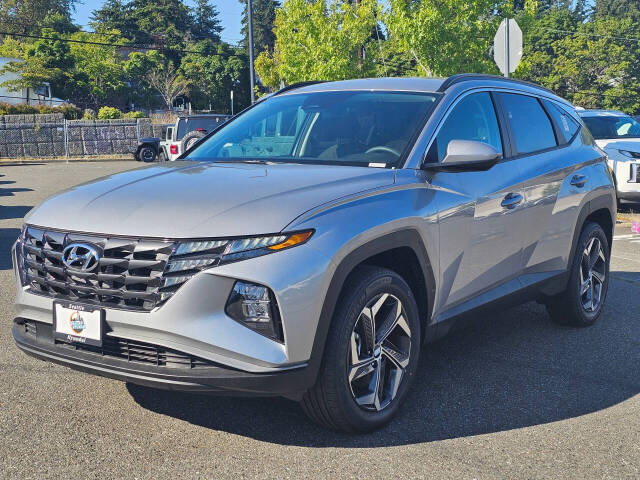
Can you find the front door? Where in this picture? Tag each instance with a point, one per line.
(480, 212)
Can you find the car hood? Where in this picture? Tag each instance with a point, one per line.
(187, 199)
(632, 144)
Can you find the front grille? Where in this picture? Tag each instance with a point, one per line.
(140, 352)
(131, 273)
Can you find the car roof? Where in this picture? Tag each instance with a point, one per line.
(421, 84)
(601, 113)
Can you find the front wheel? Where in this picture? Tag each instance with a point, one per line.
(371, 353)
(580, 305)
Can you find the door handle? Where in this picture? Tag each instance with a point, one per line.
(511, 201)
(579, 180)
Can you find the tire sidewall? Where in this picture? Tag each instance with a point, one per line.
(383, 282)
(590, 231)
(191, 139)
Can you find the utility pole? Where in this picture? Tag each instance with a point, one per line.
(250, 26)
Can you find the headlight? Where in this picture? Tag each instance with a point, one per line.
(629, 154)
(190, 257)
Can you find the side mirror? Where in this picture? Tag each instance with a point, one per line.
(466, 156)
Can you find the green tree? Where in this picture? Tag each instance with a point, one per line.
(168, 82)
(213, 72)
(45, 61)
(264, 16)
(165, 23)
(100, 75)
(618, 9)
(28, 16)
(445, 37)
(206, 23)
(136, 68)
(322, 40)
(597, 67)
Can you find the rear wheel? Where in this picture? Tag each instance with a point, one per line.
(371, 353)
(581, 303)
(162, 157)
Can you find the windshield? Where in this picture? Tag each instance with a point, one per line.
(607, 127)
(343, 128)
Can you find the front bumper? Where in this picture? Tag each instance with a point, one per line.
(207, 378)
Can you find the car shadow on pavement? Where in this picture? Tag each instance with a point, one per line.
(509, 370)
(7, 237)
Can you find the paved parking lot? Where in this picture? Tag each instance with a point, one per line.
(514, 396)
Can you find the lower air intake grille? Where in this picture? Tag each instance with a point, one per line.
(140, 352)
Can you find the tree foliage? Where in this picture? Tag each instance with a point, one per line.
(594, 63)
(447, 36)
(322, 40)
(264, 16)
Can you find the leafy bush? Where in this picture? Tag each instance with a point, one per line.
(70, 112)
(136, 114)
(89, 114)
(109, 113)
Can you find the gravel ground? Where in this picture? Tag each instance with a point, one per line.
(513, 396)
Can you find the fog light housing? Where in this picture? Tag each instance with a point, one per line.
(254, 306)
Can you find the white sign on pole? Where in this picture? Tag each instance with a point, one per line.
(507, 46)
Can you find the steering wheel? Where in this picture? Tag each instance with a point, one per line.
(382, 148)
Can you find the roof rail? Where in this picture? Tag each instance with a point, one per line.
(293, 86)
(463, 77)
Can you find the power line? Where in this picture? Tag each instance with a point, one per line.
(584, 34)
(134, 46)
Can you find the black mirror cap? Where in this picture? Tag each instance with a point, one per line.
(468, 166)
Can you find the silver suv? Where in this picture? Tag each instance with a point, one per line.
(312, 246)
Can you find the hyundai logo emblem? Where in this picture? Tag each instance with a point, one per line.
(81, 257)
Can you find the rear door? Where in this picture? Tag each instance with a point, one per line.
(555, 179)
(481, 220)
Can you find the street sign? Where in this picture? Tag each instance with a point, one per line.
(507, 46)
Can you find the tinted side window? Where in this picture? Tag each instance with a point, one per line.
(473, 118)
(530, 124)
(567, 125)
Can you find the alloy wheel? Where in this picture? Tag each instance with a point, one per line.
(379, 352)
(593, 269)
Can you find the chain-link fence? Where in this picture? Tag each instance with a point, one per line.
(40, 136)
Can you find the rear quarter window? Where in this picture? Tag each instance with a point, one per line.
(567, 126)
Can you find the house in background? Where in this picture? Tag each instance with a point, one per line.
(28, 96)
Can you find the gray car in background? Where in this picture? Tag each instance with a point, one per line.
(314, 244)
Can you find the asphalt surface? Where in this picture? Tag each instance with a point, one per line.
(513, 396)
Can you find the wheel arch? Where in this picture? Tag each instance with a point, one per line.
(600, 210)
(389, 252)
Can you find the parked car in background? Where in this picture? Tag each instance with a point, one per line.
(618, 134)
(311, 246)
(179, 137)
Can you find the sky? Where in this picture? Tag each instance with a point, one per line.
(230, 14)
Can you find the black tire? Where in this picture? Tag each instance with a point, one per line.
(148, 153)
(162, 157)
(331, 402)
(190, 139)
(568, 308)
